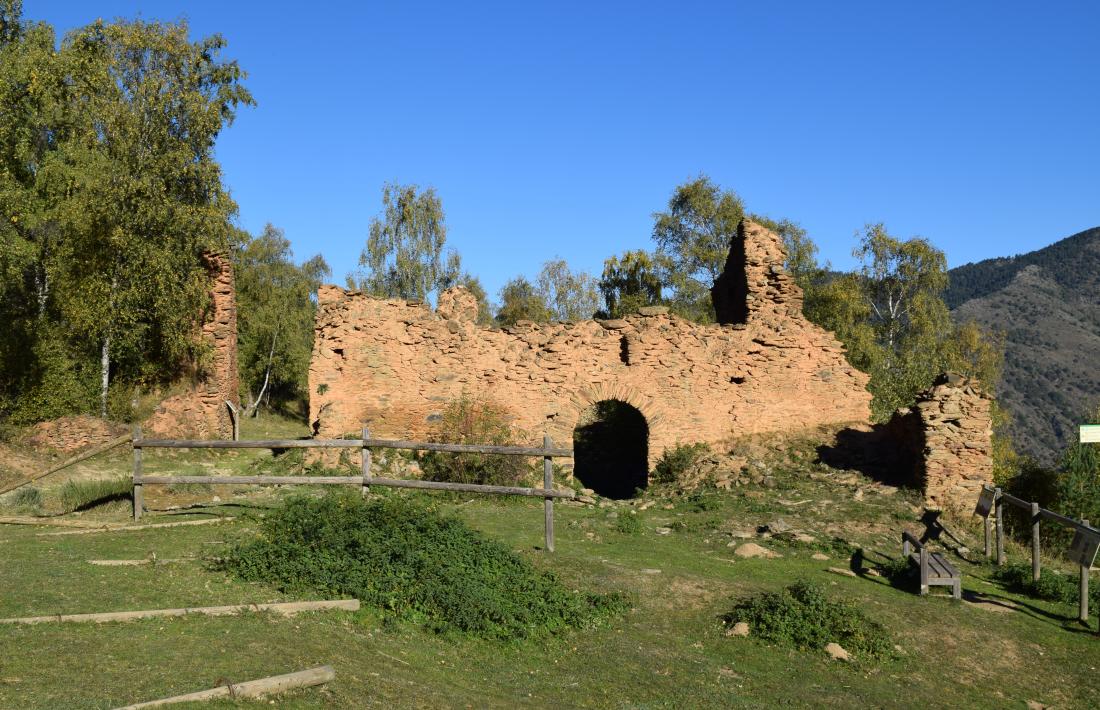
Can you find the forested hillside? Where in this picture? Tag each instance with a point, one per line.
(1047, 303)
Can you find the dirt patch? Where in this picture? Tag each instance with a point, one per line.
(69, 435)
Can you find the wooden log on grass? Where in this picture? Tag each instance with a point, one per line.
(250, 689)
(114, 527)
(285, 608)
(119, 441)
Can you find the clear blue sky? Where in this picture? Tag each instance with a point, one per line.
(557, 128)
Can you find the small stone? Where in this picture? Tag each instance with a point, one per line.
(751, 549)
(842, 570)
(804, 538)
(663, 531)
(651, 571)
(872, 572)
(836, 652)
(775, 526)
(819, 556)
(741, 628)
(586, 499)
(741, 535)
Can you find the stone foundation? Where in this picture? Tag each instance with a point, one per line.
(394, 365)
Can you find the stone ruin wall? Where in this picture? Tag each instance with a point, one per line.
(394, 365)
(201, 412)
(948, 435)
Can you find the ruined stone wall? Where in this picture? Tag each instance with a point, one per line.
(949, 436)
(201, 412)
(394, 365)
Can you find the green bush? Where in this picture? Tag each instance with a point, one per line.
(676, 461)
(628, 523)
(27, 497)
(413, 563)
(804, 617)
(81, 495)
(1051, 586)
(471, 421)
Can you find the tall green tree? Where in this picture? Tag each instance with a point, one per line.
(276, 301)
(521, 300)
(693, 239)
(405, 255)
(115, 198)
(568, 295)
(629, 282)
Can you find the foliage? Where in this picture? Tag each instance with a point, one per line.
(1051, 586)
(677, 460)
(520, 300)
(696, 231)
(79, 494)
(628, 523)
(630, 282)
(404, 256)
(28, 497)
(111, 194)
(568, 296)
(802, 616)
(474, 421)
(276, 303)
(484, 308)
(414, 563)
(892, 318)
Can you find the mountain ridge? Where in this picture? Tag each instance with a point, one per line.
(1047, 304)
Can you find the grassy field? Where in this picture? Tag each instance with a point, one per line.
(670, 651)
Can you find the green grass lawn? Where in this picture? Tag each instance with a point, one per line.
(669, 651)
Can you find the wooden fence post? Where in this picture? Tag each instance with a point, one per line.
(999, 507)
(1036, 571)
(1084, 615)
(987, 524)
(548, 483)
(136, 494)
(366, 462)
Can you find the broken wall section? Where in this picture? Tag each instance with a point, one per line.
(201, 412)
(949, 436)
(394, 365)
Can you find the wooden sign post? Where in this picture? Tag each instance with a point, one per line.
(1083, 551)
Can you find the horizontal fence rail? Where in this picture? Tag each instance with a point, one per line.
(351, 444)
(1082, 550)
(547, 452)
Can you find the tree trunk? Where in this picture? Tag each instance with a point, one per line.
(105, 375)
(252, 410)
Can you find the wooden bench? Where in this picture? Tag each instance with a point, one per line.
(935, 570)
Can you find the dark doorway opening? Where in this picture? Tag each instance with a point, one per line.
(611, 449)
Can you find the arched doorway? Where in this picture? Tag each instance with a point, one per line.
(611, 449)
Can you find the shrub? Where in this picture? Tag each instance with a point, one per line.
(27, 497)
(471, 421)
(676, 461)
(81, 495)
(1051, 586)
(628, 523)
(413, 563)
(804, 617)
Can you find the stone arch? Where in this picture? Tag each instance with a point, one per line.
(611, 449)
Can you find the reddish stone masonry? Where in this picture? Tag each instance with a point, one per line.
(201, 412)
(393, 365)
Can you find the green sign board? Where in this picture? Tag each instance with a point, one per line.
(1090, 433)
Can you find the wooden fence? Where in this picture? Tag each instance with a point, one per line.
(1082, 549)
(548, 453)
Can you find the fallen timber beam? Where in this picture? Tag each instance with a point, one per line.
(250, 689)
(114, 527)
(357, 481)
(107, 446)
(349, 444)
(285, 608)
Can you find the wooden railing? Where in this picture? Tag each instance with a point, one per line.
(365, 480)
(1086, 539)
